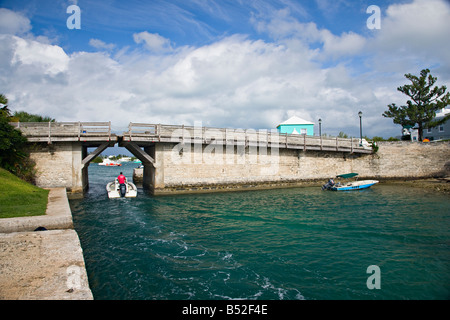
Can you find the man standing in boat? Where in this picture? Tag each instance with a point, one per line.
(122, 180)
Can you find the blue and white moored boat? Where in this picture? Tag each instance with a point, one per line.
(348, 186)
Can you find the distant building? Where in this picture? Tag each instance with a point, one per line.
(440, 132)
(410, 133)
(296, 125)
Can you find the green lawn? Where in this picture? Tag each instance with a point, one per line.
(19, 198)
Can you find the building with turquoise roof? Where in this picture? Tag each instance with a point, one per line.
(296, 125)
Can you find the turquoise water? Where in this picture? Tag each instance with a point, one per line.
(285, 244)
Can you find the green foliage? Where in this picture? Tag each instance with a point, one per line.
(13, 147)
(425, 101)
(3, 100)
(97, 160)
(377, 139)
(23, 116)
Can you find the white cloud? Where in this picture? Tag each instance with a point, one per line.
(49, 58)
(281, 26)
(13, 23)
(411, 34)
(99, 44)
(232, 82)
(153, 42)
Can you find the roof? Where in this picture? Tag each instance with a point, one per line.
(442, 113)
(347, 175)
(295, 120)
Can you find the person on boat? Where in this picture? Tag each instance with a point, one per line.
(122, 184)
(121, 178)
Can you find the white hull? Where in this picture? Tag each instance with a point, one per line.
(109, 163)
(113, 189)
(356, 185)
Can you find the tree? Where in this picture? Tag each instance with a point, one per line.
(425, 101)
(13, 146)
(342, 135)
(3, 100)
(23, 116)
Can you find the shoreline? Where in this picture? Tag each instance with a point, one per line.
(441, 185)
(43, 265)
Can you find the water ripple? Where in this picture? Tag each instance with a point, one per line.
(277, 244)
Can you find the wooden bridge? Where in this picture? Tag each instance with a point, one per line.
(92, 133)
(142, 133)
(62, 157)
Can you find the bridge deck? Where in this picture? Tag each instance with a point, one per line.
(142, 133)
(66, 131)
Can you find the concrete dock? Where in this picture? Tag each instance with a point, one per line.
(43, 265)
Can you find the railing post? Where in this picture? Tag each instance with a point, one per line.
(337, 144)
(182, 134)
(352, 145)
(130, 126)
(159, 132)
(79, 130)
(49, 132)
(109, 131)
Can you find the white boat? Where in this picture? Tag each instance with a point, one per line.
(348, 186)
(128, 190)
(110, 163)
(355, 185)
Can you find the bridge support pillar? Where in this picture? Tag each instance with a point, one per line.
(60, 165)
(153, 177)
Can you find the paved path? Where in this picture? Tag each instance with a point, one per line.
(43, 265)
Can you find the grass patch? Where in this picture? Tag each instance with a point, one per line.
(19, 198)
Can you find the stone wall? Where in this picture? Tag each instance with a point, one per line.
(181, 168)
(404, 159)
(58, 165)
(197, 168)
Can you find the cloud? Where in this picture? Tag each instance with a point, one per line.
(48, 59)
(153, 42)
(411, 34)
(13, 22)
(235, 81)
(282, 25)
(99, 44)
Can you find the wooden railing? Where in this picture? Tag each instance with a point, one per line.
(64, 131)
(142, 132)
(151, 133)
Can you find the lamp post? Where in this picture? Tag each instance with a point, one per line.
(320, 127)
(360, 127)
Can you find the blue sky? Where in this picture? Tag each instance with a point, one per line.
(184, 22)
(226, 63)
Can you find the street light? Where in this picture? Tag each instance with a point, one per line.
(320, 127)
(360, 127)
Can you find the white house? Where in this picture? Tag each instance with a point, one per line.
(440, 132)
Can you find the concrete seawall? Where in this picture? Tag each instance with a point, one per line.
(182, 169)
(43, 265)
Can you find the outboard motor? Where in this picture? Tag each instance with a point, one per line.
(328, 185)
(123, 190)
